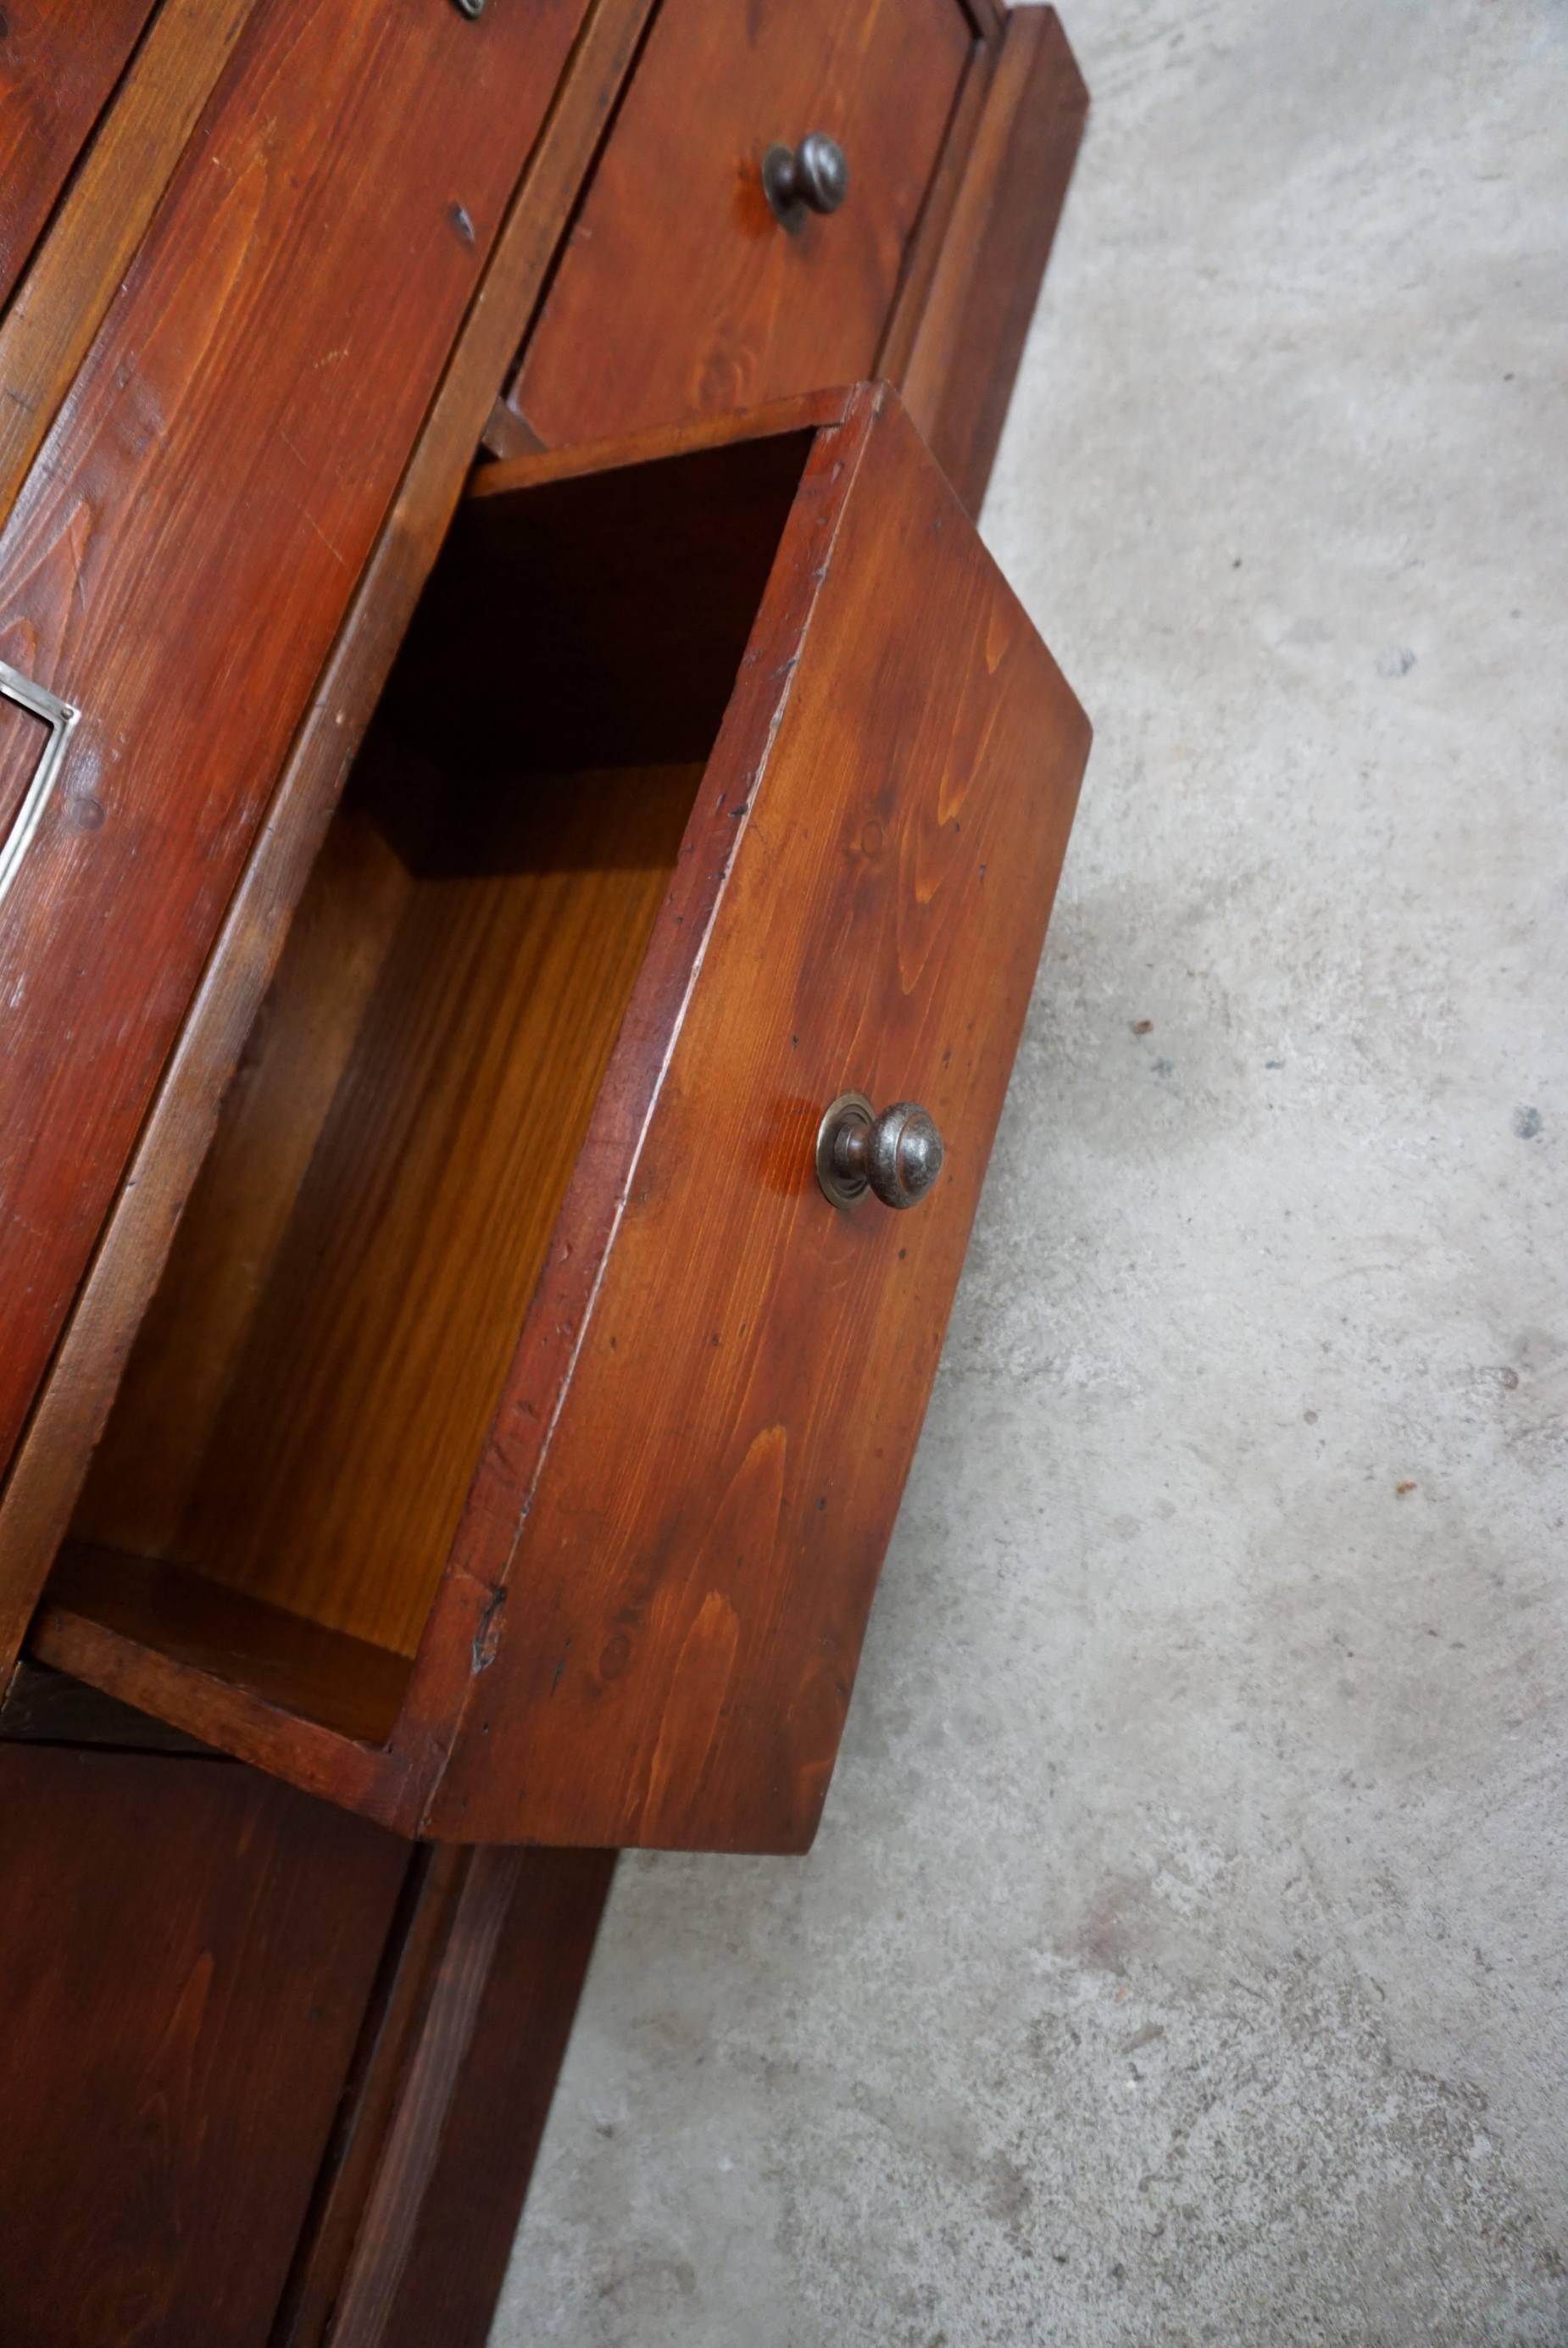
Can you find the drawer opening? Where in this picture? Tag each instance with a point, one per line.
(298, 1425)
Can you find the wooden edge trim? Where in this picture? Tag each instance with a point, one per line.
(965, 355)
(923, 251)
(426, 1910)
(316, 1759)
(437, 2050)
(803, 412)
(454, 2267)
(614, 36)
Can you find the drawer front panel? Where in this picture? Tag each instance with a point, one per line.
(188, 1956)
(679, 294)
(181, 553)
(685, 1609)
(58, 63)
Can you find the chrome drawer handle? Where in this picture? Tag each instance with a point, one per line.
(897, 1155)
(59, 718)
(813, 176)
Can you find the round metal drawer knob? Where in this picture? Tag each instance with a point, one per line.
(813, 176)
(898, 1155)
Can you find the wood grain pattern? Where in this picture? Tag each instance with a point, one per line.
(104, 215)
(394, 1784)
(680, 1640)
(453, 2258)
(346, 1291)
(421, 1933)
(679, 295)
(417, 2201)
(58, 64)
(281, 331)
(435, 2056)
(351, 1687)
(963, 353)
(665, 1655)
(41, 1493)
(187, 1955)
(192, 1340)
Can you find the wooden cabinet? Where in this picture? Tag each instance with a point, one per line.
(431, 1367)
(680, 292)
(510, 1448)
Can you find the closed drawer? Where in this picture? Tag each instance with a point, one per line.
(680, 294)
(511, 1446)
(58, 65)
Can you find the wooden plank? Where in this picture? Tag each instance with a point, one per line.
(364, 1356)
(188, 1953)
(454, 2258)
(58, 64)
(281, 331)
(525, 466)
(112, 1599)
(60, 306)
(930, 239)
(420, 1934)
(965, 353)
(678, 293)
(47, 1472)
(418, 2201)
(439, 2048)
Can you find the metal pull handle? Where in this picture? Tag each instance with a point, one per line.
(813, 176)
(897, 1155)
(60, 718)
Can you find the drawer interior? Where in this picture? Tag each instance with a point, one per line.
(297, 1426)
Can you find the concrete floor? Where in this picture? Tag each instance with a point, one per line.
(1183, 1956)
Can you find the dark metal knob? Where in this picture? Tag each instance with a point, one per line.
(898, 1155)
(813, 176)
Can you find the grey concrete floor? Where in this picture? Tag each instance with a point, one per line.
(1183, 1957)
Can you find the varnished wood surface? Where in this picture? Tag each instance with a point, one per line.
(665, 1655)
(102, 219)
(453, 2258)
(681, 1639)
(435, 2056)
(187, 1955)
(678, 293)
(520, 462)
(421, 1932)
(102, 1601)
(964, 350)
(58, 64)
(42, 1490)
(461, 1636)
(314, 1382)
(270, 354)
(417, 2201)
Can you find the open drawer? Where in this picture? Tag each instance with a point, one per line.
(511, 1445)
